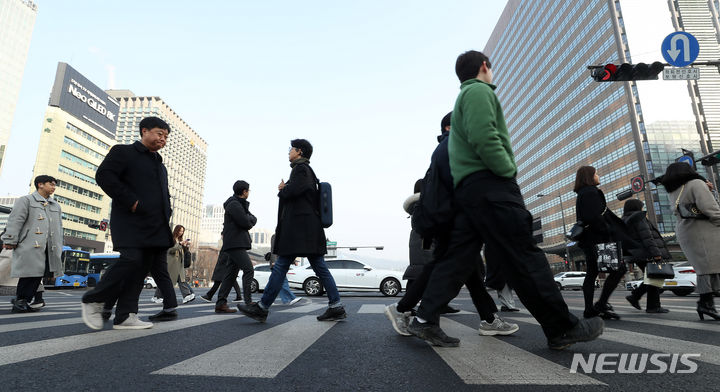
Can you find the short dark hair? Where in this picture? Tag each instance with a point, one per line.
(240, 186)
(304, 146)
(468, 64)
(41, 179)
(585, 176)
(153, 122)
(445, 121)
(632, 205)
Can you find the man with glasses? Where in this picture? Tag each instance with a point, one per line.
(299, 233)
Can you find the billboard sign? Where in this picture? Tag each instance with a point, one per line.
(75, 94)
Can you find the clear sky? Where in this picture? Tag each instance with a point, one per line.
(366, 82)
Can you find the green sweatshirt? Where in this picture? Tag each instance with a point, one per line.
(479, 138)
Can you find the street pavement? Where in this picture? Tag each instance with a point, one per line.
(201, 350)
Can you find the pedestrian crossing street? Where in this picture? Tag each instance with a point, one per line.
(291, 331)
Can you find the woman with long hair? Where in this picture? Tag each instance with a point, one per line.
(601, 226)
(698, 238)
(176, 268)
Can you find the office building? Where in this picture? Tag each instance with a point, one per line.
(184, 155)
(7, 201)
(77, 132)
(211, 227)
(17, 19)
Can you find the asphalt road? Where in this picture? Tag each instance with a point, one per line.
(53, 349)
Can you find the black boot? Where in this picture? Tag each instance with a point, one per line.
(21, 306)
(605, 312)
(706, 306)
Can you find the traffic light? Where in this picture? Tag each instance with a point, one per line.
(103, 226)
(711, 159)
(625, 72)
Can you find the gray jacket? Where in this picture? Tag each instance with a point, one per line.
(34, 225)
(699, 239)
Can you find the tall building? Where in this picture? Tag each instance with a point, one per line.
(17, 19)
(184, 155)
(77, 132)
(559, 118)
(211, 226)
(8, 201)
(701, 18)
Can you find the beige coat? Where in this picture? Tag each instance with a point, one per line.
(175, 259)
(699, 239)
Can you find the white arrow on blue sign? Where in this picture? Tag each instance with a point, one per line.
(680, 49)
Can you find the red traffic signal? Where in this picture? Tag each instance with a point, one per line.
(103, 226)
(626, 72)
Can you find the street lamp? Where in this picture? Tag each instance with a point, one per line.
(562, 214)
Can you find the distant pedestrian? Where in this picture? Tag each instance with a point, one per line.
(601, 226)
(287, 297)
(236, 242)
(219, 272)
(176, 271)
(136, 180)
(299, 233)
(34, 233)
(698, 238)
(491, 211)
(652, 248)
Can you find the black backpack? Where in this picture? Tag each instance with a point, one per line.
(433, 214)
(325, 209)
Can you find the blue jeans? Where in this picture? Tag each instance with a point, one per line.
(285, 294)
(278, 277)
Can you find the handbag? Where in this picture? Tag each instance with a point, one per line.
(609, 256)
(688, 210)
(659, 270)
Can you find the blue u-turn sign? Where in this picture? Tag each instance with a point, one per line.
(680, 49)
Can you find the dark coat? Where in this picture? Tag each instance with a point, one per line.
(221, 267)
(299, 231)
(646, 235)
(131, 173)
(602, 224)
(419, 255)
(238, 220)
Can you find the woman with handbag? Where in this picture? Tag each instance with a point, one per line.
(652, 250)
(697, 230)
(176, 268)
(602, 226)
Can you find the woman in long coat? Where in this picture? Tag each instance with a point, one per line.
(698, 238)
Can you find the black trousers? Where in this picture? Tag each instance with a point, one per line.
(492, 211)
(216, 286)
(238, 260)
(27, 287)
(591, 261)
(124, 281)
(653, 293)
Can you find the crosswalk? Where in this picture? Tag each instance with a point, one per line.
(264, 351)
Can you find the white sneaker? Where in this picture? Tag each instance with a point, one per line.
(156, 300)
(399, 320)
(293, 302)
(133, 322)
(498, 327)
(92, 314)
(190, 297)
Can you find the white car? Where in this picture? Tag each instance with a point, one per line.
(349, 275)
(570, 280)
(682, 284)
(260, 277)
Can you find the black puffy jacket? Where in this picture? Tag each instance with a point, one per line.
(238, 220)
(649, 242)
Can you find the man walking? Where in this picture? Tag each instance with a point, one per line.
(34, 232)
(236, 242)
(491, 210)
(136, 180)
(299, 233)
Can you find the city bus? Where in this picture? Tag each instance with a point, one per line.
(99, 262)
(75, 265)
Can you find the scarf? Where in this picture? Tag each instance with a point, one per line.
(299, 161)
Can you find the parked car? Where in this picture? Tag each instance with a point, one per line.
(150, 283)
(571, 280)
(349, 275)
(260, 278)
(682, 284)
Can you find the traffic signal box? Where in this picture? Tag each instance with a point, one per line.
(711, 159)
(626, 72)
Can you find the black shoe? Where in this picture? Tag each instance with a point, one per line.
(37, 304)
(253, 311)
(106, 313)
(634, 302)
(504, 308)
(590, 313)
(449, 309)
(238, 299)
(605, 312)
(164, 316)
(206, 298)
(659, 309)
(705, 308)
(584, 331)
(333, 314)
(432, 334)
(21, 306)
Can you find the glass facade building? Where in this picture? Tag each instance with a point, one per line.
(17, 19)
(559, 118)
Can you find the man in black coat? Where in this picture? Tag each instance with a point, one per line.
(299, 233)
(136, 180)
(236, 241)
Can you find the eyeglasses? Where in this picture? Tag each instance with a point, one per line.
(291, 148)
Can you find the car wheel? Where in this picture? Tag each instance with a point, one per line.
(312, 286)
(681, 292)
(559, 285)
(390, 287)
(147, 286)
(254, 286)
